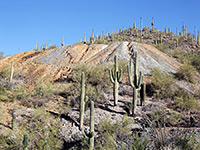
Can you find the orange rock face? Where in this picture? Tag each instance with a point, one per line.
(57, 63)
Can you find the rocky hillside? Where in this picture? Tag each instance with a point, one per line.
(43, 100)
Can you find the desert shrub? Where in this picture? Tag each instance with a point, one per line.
(162, 47)
(94, 74)
(186, 103)
(4, 73)
(136, 143)
(4, 94)
(110, 133)
(186, 72)
(196, 63)
(42, 129)
(162, 84)
(52, 46)
(160, 118)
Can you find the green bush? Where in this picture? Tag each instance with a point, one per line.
(110, 133)
(186, 103)
(162, 84)
(196, 63)
(186, 72)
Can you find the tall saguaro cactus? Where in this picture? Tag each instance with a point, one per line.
(198, 40)
(136, 84)
(141, 29)
(91, 138)
(152, 23)
(82, 103)
(25, 142)
(12, 71)
(63, 43)
(115, 78)
(134, 26)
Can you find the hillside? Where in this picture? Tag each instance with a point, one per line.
(45, 96)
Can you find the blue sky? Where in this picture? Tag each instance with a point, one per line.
(25, 22)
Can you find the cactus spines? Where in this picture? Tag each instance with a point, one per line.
(152, 23)
(91, 138)
(25, 142)
(12, 71)
(115, 78)
(82, 103)
(13, 120)
(136, 85)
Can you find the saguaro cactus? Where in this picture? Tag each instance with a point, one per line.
(152, 23)
(142, 92)
(134, 26)
(45, 45)
(82, 103)
(91, 138)
(63, 41)
(25, 142)
(183, 30)
(84, 40)
(198, 40)
(136, 85)
(186, 31)
(141, 29)
(13, 120)
(12, 71)
(115, 78)
(195, 32)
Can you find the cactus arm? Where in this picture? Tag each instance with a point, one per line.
(120, 75)
(111, 76)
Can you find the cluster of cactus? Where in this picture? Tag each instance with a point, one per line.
(82, 108)
(137, 84)
(115, 78)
